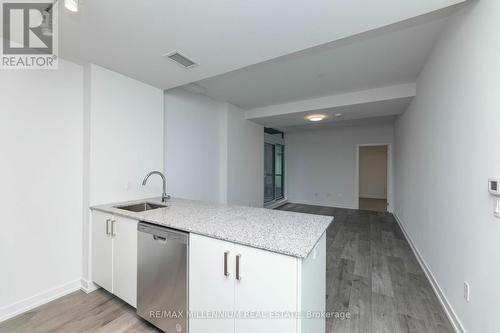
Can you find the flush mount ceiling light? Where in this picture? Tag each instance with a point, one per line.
(316, 117)
(338, 115)
(71, 5)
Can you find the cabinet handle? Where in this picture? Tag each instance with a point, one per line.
(226, 271)
(238, 268)
(107, 226)
(113, 228)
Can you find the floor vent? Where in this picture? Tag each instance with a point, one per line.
(181, 60)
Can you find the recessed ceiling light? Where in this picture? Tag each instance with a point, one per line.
(71, 5)
(316, 117)
(339, 114)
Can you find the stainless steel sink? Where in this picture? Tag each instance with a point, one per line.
(141, 207)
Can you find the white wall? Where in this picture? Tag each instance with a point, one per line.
(194, 146)
(245, 159)
(123, 138)
(446, 151)
(373, 172)
(320, 165)
(41, 140)
(126, 137)
(211, 152)
(71, 138)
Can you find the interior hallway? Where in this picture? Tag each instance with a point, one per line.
(373, 274)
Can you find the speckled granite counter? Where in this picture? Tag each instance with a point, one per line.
(289, 233)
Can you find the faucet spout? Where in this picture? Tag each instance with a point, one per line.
(164, 196)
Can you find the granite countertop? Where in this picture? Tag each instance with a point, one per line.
(289, 233)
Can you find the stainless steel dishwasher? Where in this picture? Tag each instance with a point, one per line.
(162, 277)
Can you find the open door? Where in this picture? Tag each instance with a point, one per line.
(373, 179)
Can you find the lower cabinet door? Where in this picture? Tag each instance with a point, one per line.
(211, 285)
(125, 259)
(266, 291)
(102, 250)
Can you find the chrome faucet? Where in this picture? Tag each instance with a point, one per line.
(164, 196)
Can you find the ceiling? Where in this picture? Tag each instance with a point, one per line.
(297, 121)
(131, 37)
(367, 76)
(344, 123)
(379, 58)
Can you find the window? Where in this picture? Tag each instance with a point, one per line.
(268, 172)
(274, 166)
(278, 171)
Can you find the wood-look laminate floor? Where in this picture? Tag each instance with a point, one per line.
(373, 274)
(78, 312)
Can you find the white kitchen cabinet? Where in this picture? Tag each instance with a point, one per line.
(268, 283)
(114, 255)
(211, 287)
(125, 259)
(102, 250)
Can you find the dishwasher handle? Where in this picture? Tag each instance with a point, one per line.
(160, 239)
(163, 234)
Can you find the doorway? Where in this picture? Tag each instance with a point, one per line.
(373, 166)
(274, 165)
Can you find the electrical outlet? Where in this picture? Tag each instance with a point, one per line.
(467, 291)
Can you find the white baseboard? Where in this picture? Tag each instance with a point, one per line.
(34, 301)
(88, 286)
(448, 309)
